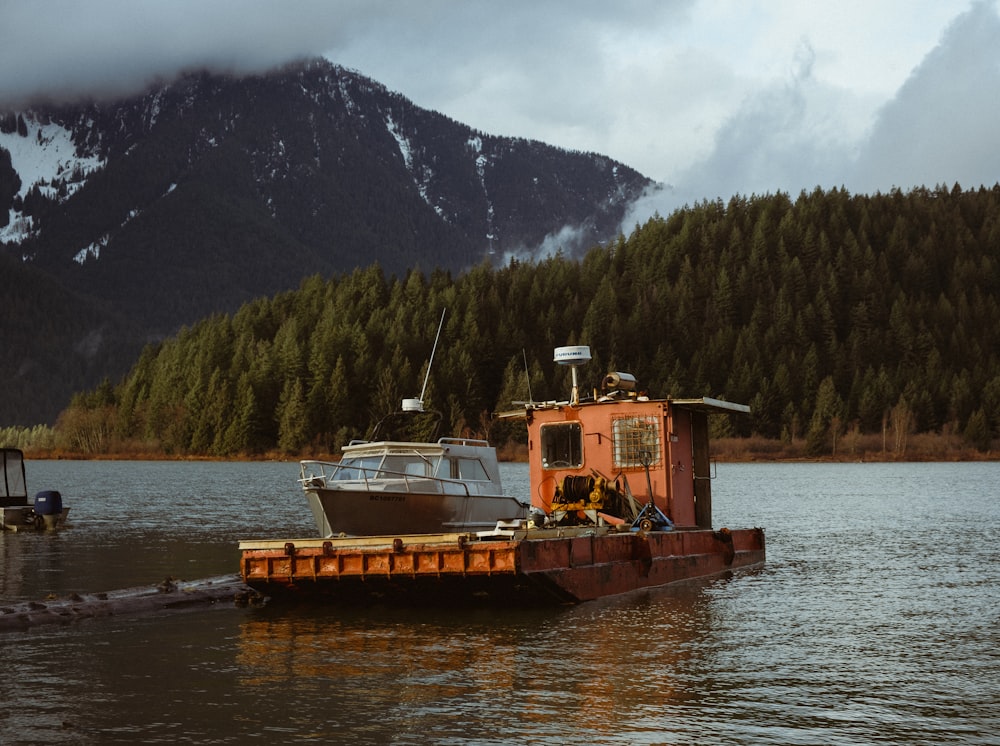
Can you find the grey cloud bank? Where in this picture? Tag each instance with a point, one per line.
(944, 123)
(940, 128)
(712, 97)
(63, 50)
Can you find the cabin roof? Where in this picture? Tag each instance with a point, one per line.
(707, 404)
(459, 446)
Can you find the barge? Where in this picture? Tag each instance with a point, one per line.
(621, 500)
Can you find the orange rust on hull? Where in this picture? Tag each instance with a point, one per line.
(303, 560)
(595, 566)
(563, 566)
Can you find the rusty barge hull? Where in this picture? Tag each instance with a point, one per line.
(545, 566)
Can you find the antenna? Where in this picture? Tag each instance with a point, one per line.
(527, 375)
(417, 405)
(573, 356)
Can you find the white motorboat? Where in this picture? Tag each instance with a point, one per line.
(392, 487)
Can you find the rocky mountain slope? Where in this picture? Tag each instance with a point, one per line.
(136, 216)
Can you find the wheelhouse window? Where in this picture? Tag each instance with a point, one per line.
(562, 445)
(636, 442)
(468, 469)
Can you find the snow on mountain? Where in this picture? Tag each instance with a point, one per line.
(48, 158)
(475, 144)
(420, 178)
(93, 250)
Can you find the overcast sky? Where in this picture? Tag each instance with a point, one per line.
(712, 97)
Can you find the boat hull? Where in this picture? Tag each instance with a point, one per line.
(24, 518)
(561, 566)
(372, 513)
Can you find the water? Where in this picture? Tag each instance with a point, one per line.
(874, 620)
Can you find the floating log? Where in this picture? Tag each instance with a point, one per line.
(169, 595)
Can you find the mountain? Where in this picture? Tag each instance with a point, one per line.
(149, 213)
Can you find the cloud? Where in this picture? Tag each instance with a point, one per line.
(551, 71)
(786, 136)
(711, 97)
(939, 128)
(68, 50)
(566, 241)
(943, 124)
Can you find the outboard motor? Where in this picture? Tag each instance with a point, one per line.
(48, 507)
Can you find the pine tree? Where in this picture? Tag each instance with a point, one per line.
(293, 431)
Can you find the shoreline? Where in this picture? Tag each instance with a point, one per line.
(724, 450)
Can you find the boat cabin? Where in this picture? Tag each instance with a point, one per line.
(619, 453)
(394, 487)
(461, 459)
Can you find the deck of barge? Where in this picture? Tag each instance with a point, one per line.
(563, 565)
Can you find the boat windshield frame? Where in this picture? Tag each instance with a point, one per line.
(368, 472)
(382, 465)
(14, 488)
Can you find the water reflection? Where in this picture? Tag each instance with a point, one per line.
(30, 560)
(439, 675)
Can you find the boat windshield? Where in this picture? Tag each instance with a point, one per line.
(412, 465)
(12, 478)
(357, 468)
(378, 466)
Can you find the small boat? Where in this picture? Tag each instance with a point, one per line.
(16, 512)
(387, 486)
(409, 486)
(621, 491)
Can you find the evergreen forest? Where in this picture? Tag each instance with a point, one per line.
(828, 313)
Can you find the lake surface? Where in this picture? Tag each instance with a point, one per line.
(876, 619)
